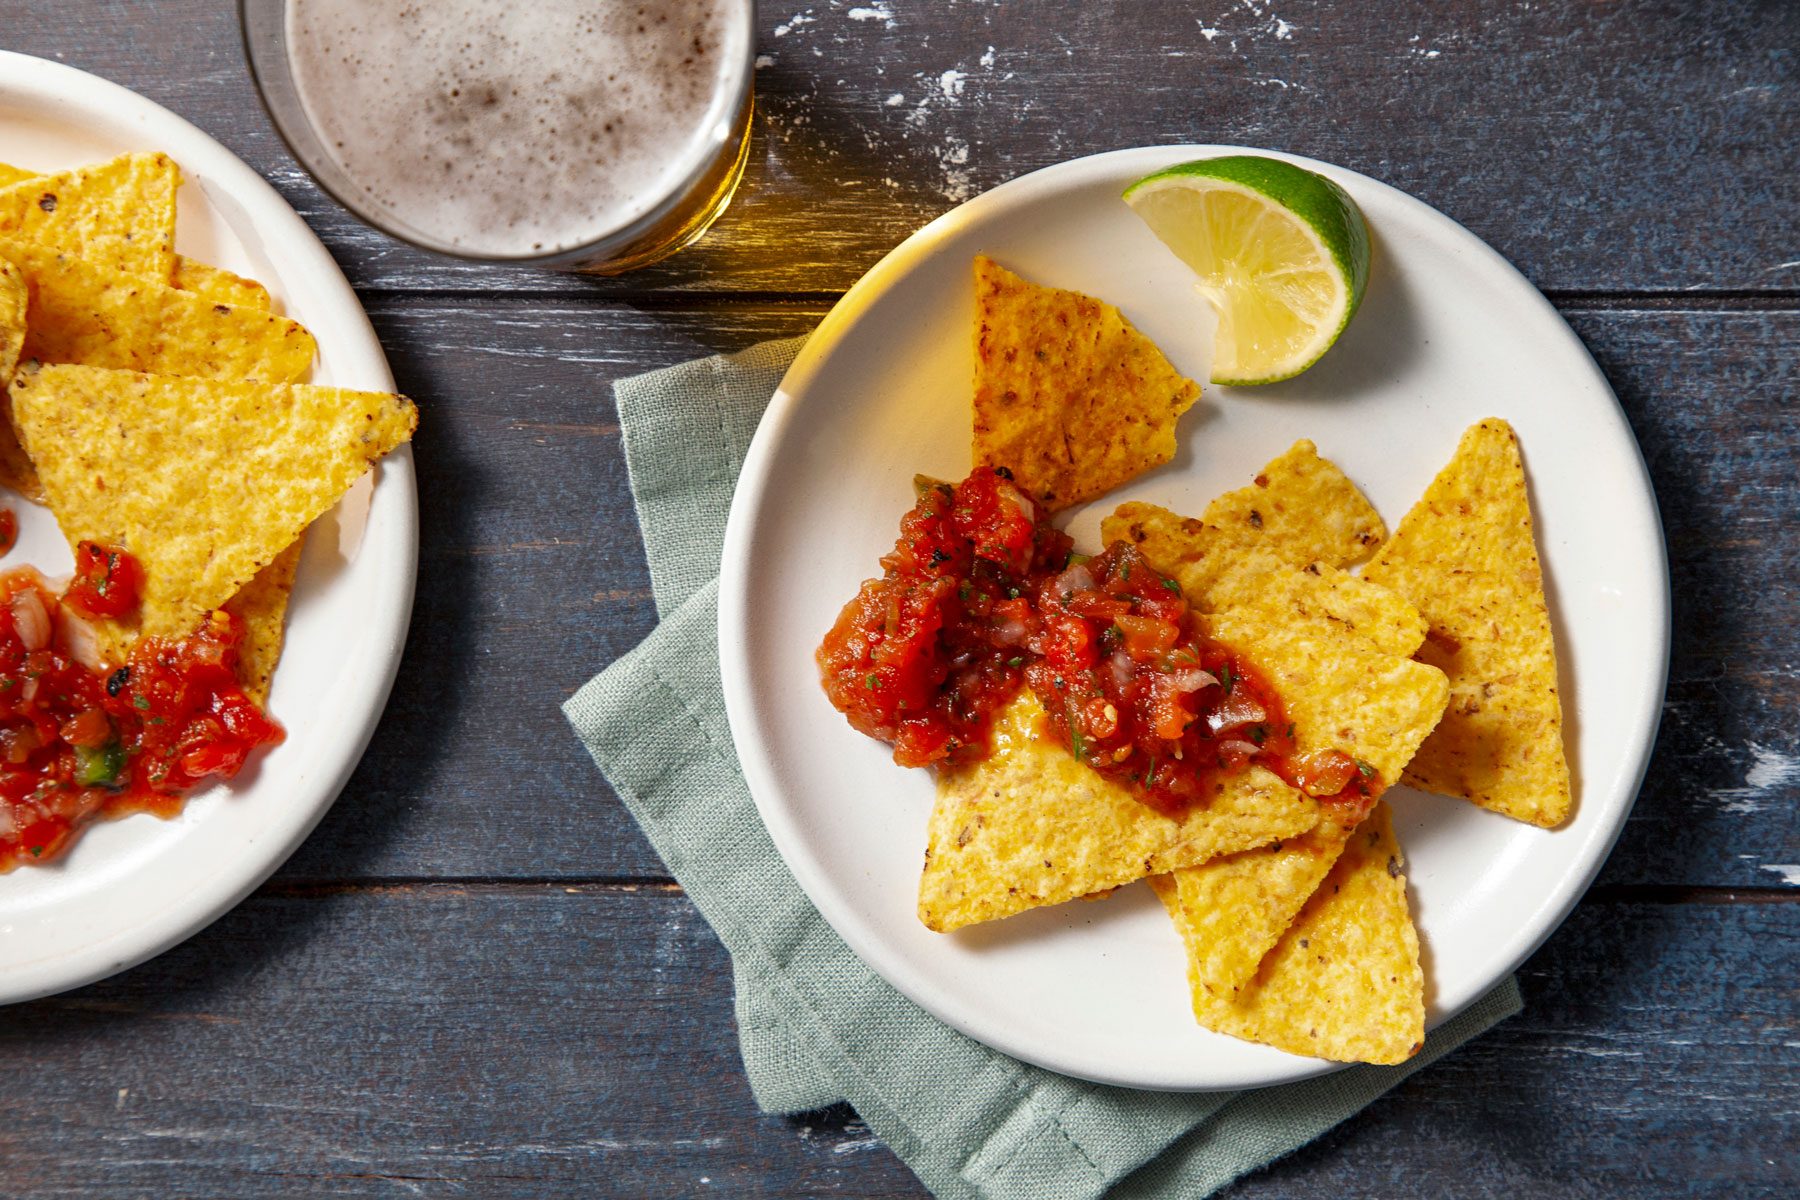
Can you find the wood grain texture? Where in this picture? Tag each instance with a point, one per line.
(1711, 397)
(1638, 144)
(512, 1024)
(504, 1042)
(531, 579)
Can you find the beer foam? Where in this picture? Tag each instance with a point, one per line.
(515, 128)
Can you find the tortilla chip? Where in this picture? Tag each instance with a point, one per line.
(205, 481)
(1466, 556)
(190, 275)
(261, 605)
(102, 318)
(1261, 570)
(1228, 583)
(15, 299)
(117, 215)
(1068, 396)
(1240, 905)
(1342, 689)
(1344, 982)
(1347, 685)
(1302, 509)
(219, 286)
(93, 317)
(1029, 826)
(1337, 649)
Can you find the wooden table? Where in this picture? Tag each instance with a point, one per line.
(476, 979)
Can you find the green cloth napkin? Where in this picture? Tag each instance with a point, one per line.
(815, 1025)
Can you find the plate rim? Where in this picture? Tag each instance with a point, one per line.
(391, 532)
(753, 484)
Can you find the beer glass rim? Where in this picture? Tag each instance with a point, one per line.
(263, 26)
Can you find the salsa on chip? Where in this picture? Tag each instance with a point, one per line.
(980, 597)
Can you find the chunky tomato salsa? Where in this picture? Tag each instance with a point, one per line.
(923, 656)
(80, 740)
(108, 582)
(980, 597)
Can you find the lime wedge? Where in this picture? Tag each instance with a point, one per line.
(1282, 254)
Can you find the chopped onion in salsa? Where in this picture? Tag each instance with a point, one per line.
(979, 597)
(79, 742)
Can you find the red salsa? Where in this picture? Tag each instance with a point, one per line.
(1136, 690)
(979, 597)
(108, 582)
(9, 530)
(923, 656)
(79, 742)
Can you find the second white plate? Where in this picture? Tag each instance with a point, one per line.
(134, 887)
(1449, 333)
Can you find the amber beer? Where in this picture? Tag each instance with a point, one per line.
(595, 136)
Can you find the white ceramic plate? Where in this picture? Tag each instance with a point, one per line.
(134, 887)
(1449, 333)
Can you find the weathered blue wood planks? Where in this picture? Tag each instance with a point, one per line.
(1618, 146)
(510, 1041)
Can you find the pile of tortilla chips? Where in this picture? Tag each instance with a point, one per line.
(154, 403)
(1433, 666)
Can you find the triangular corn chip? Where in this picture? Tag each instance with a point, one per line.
(1300, 510)
(1466, 556)
(214, 284)
(1241, 559)
(93, 317)
(117, 215)
(1343, 690)
(1068, 396)
(1262, 576)
(1334, 647)
(15, 299)
(1028, 826)
(205, 481)
(1238, 906)
(262, 606)
(219, 286)
(97, 317)
(1344, 982)
(1345, 681)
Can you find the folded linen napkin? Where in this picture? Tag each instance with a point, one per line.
(815, 1025)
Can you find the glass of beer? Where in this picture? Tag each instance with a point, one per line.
(594, 136)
